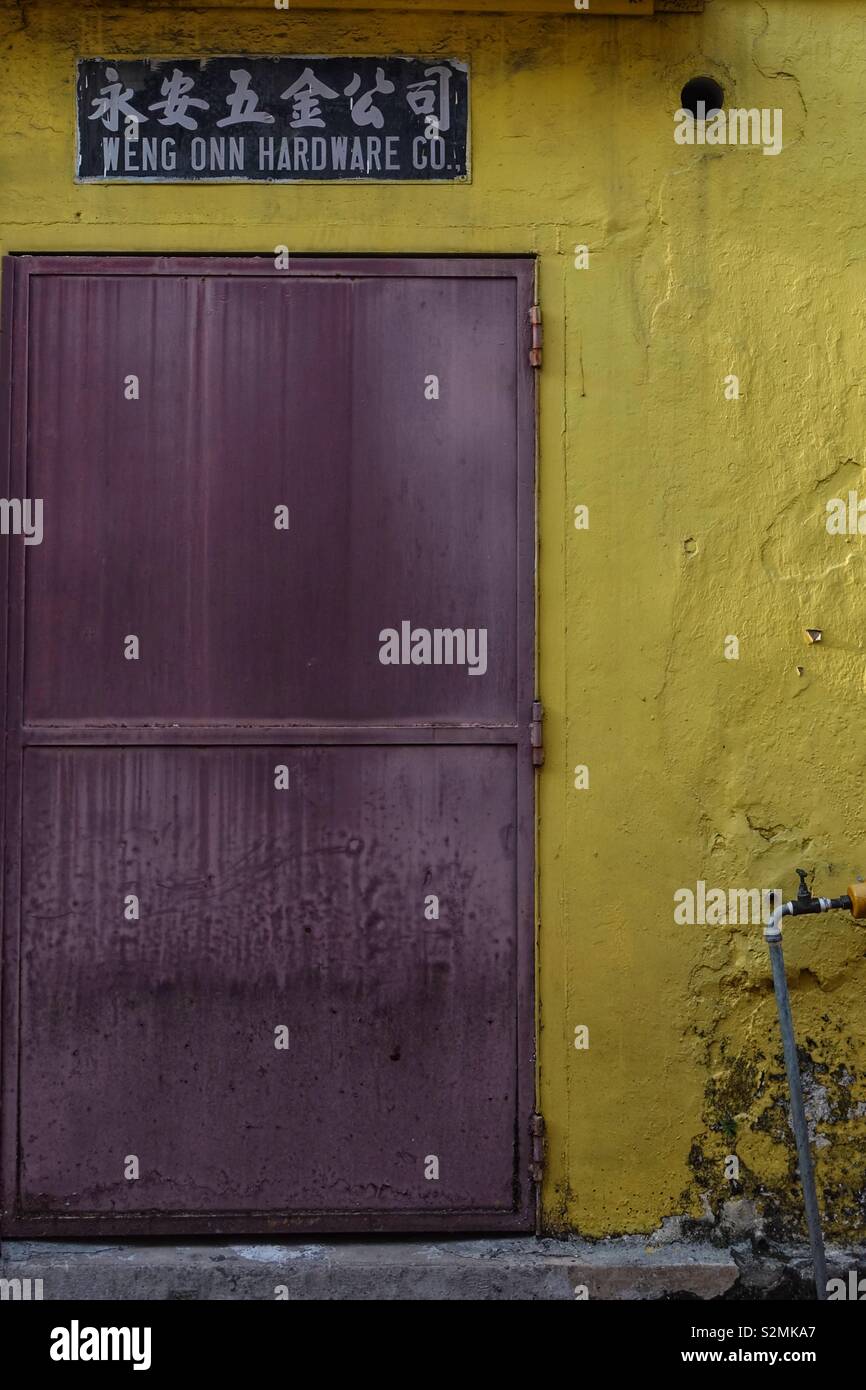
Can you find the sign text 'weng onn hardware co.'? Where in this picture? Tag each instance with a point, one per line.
(281, 119)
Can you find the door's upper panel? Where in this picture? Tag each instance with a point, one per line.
(170, 417)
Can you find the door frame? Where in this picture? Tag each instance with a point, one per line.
(17, 271)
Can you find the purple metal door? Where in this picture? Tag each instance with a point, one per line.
(268, 927)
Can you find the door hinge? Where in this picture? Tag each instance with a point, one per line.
(537, 335)
(536, 733)
(536, 1131)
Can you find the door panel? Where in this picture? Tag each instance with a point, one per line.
(258, 909)
(254, 394)
(268, 924)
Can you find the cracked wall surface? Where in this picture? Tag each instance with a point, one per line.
(707, 520)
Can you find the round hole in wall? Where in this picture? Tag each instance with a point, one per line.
(702, 96)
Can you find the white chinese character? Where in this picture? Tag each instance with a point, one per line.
(175, 90)
(113, 100)
(304, 95)
(242, 102)
(363, 110)
(426, 97)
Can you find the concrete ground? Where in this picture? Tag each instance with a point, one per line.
(512, 1268)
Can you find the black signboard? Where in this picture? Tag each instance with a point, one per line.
(293, 120)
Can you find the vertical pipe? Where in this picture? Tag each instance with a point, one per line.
(798, 1118)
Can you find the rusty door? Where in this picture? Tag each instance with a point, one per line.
(268, 842)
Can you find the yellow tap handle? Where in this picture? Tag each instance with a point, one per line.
(857, 894)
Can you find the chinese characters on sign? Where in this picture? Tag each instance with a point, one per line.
(282, 119)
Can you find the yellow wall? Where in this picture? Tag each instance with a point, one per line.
(706, 519)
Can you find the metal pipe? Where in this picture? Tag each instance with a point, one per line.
(773, 937)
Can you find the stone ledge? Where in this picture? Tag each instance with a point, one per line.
(519, 1268)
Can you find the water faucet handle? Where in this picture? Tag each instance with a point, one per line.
(803, 891)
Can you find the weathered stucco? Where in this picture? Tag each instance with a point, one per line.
(707, 519)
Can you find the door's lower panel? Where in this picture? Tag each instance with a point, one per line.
(265, 989)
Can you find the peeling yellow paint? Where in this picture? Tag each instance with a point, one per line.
(706, 520)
